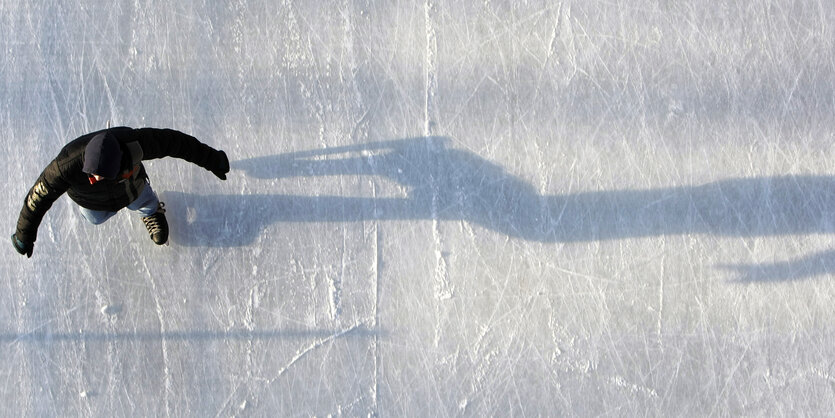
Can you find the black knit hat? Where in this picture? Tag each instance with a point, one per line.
(103, 156)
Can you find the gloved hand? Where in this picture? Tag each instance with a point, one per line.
(221, 165)
(24, 248)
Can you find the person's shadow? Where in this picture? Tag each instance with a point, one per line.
(445, 183)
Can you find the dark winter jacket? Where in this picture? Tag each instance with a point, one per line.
(65, 174)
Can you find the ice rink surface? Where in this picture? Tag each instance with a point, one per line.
(512, 208)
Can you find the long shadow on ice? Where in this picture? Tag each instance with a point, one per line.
(450, 184)
(41, 337)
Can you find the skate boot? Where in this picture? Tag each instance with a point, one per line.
(157, 225)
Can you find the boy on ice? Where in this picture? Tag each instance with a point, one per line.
(103, 172)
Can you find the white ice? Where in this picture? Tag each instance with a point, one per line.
(436, 208)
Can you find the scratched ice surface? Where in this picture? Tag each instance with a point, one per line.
(441, 209)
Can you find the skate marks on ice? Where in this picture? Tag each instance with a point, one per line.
(469, 188)
(41, 337)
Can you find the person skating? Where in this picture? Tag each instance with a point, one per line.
(103, 173)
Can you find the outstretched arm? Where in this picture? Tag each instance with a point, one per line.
(47, 189)
(159, 143)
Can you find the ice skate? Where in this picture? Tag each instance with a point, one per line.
(157, 225)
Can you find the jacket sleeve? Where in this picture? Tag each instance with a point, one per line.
(159, 143)
(47, 189)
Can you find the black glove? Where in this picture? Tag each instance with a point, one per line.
(24, 248)
(220, 165)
